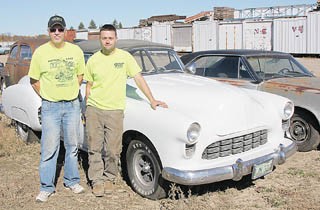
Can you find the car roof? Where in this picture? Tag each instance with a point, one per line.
(92, 46)
(242, 52)
(32, 41)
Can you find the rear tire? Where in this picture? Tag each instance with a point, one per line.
(26, 134)
(303, 131)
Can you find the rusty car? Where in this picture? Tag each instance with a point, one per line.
(275, 72)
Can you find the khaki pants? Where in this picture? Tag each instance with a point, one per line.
(104, 135)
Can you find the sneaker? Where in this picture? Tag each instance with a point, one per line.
(43, 196)
(76, 188)
(98, 190)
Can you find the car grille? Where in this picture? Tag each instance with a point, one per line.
(235, 145)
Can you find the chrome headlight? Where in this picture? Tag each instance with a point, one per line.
(288, 110)
(193, 132)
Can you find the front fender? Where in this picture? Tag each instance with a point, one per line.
(21, 103)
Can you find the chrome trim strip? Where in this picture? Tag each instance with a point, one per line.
(235, 171)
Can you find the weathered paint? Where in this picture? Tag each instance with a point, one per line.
(290, 35)
(230, 35)
(257, 35)
(313, 31)
(205, 35)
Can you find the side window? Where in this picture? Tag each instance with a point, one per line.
(243, 71)
(25, 52)
(218, 66)
(143, 61)
(14, 52)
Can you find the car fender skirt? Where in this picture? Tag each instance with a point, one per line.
(235, 171)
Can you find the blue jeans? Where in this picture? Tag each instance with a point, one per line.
(59, 118)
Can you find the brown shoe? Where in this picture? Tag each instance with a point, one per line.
(98, 190)
(109, 187)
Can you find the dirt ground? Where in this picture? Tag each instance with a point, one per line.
(294, 185)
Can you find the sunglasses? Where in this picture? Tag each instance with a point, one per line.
(55, 29)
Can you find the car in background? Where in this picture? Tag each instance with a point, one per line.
(18, 61)
(268, 71)
(211, 131)
(4, 50)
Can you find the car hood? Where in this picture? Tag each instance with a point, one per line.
(297, 84)
(222, 107)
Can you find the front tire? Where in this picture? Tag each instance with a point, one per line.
(144, 170)
(27, 134)
(303, 131)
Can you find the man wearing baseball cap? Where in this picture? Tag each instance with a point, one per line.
(56, 72)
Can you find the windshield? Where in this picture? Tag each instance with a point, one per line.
(154, 61)
(275, 67)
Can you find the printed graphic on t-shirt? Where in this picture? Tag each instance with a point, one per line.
(118, 65)
(62, 70)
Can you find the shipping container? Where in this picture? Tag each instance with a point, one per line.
(205, 35)
(161, 33)
(230, 35)
(143, 33)
(257, 35)
(125, 33)
(182, 37)
(313, 31)
(290, 35)
(82, 34)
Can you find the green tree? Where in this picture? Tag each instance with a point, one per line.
(115, 23)
(120, 25)
(81, 26)
(92, 25)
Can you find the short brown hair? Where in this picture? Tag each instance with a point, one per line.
(108, 27)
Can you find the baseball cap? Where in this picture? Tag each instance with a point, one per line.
(56, 20)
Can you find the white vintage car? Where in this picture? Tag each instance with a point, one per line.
(210, 132)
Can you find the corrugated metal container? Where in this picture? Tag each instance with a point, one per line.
(290, 35)
(182, 37)
(82, 34)
(205, 35)
(144, 33)
(257, 35)
(230, 35)
(125, 33)
(161, 33)
(313, 32)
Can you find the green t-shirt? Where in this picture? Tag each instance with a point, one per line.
(109, 75)
(57, 70)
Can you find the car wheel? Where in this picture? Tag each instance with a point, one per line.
(302, 131)
(144, 170)
(26, 133)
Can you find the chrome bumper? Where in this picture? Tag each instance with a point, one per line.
(235, 171)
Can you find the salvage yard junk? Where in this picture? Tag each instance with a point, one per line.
(292, 29)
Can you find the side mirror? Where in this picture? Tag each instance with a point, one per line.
(191, 68)
(1, 64)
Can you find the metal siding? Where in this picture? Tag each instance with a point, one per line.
(313, 31)
(161, 33)
(230, 36)
(181, 37)
(146, 34)
(82, 35)
(125, 33)
(289, 35)
(257, 35)
(204, 35)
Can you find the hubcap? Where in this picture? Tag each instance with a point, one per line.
(300, 130)
(143, 166)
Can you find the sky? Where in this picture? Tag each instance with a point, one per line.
(30, 17)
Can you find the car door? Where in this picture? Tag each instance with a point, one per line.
(11, 65)
(224, 68)
(23, 63)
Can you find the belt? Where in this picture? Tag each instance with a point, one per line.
(60, 100)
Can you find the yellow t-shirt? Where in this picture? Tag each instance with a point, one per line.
(57, 70)
(109, 75)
